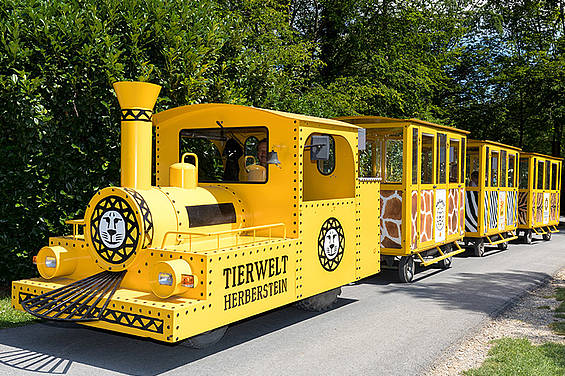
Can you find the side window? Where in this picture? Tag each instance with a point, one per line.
(494, 169)
(540, 175)
(463, 153)
(415, 177)
(554, 176)
(453, 160)
(503, 168)
(487, 165)
(427, 158)
(370, 159)
(442, 146)
(394, 156)
(250, 148)
(547, 174)
(523, 172)
(327, 167)
(472, 167)
(511, 169)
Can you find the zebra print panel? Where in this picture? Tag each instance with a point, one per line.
(471, 211)
(523, 208)
(493, 210)
(485, 212)
(511, 208)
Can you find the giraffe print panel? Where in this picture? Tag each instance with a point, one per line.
(414, 221)
(426, 215)
(391, 219)
(553, 208)
(523, 208)
(453, 211)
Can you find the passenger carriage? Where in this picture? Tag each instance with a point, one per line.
(252, 209)
(539, 190)
(491, 195)
(420, 166)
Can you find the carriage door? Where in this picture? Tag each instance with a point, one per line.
(427, 187)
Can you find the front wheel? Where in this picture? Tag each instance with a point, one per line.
(406, 269)
(547, 236)
(528, 235)
(479, 248)
(205, 339)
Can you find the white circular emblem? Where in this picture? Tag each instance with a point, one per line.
(112, 229)
(331, 244)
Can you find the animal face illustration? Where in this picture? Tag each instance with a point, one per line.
(331, 244)
(112, 229)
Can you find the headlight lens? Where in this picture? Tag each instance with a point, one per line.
(165, 279)
(50, 262)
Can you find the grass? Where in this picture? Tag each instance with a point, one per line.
(544, 307)
(9, 317)
(558, 327)
(560, 293)
(560, 307)
(511, 357)
(559, 315)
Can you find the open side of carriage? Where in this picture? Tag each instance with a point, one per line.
(539, 190)
(421, 167)
(491, 195)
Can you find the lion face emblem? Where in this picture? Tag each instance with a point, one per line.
(112, 229)
(331, 244)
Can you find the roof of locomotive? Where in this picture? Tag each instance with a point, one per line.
(376, 121)
(532, 154)
(179, 111)
(488, 142)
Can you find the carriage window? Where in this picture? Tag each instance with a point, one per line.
(503, 168)
(511, 169)
(442, 145)
(228, 154)
(523, 171)
(494, 169)
(370, 160)
(487, 165)
(427, 158)
(472, 167)
(327, 167)
(415, 177)
(393, 156)
(547, 174)
(554, 176)
(463, 151)
(540, 175)
(453, 160)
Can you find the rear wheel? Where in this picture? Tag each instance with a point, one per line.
(503, 246)
(527, 237)
(446, 263)
(320, 302)
(479, 248)
(205, 339)
(406, 269)
(547, 236)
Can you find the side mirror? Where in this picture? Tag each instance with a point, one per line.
(320, 148)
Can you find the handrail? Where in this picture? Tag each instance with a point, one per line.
(76, 223)
(224, 232)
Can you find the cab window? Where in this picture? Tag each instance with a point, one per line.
(230, 155)
(427, 158)
(523, 172)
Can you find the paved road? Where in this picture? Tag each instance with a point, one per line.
(379, 327)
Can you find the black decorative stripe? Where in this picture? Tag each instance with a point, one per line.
(131, 320)
(136, 114)
(212, 214)
(146, 214)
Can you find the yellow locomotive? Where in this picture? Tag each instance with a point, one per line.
(233, 233)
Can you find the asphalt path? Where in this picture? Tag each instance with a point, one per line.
(380, 326)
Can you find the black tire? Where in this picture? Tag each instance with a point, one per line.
(527, 239)
(547, 236)
(479, 248)
(320, 302)
(406, 269)
(503, 246)
(446, 263)
(205, 339)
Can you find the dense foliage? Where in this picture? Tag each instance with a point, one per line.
(496, 68)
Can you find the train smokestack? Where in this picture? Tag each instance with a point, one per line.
(137, 100)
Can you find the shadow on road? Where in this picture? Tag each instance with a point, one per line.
(50, 349)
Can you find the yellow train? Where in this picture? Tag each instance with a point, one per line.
(253, 209)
